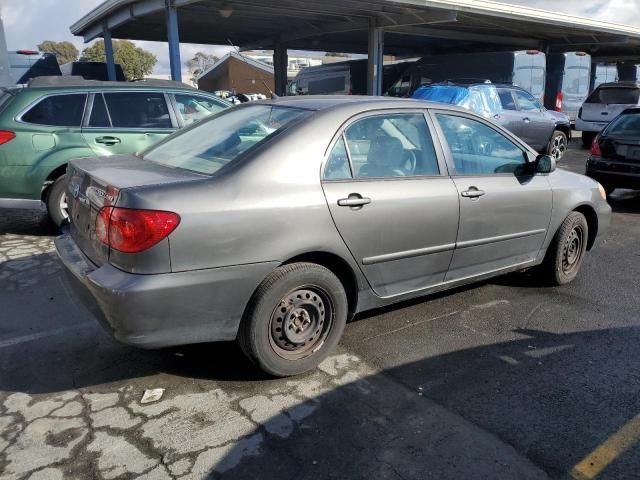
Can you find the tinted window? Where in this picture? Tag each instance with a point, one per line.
(211, 144)
(394, 145)
(627, 124)
(58, 110)
(507, 100)
(195, 107)
(138, 110)
(478, 149)
(526, 102)
(337, 167)
(99, 115)
(328, 85)
(615, 95)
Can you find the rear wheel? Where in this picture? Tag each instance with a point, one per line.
(566, 252)
(295, 319)
(57, 201)
(558, 145)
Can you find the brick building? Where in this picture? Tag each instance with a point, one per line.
(238, 72)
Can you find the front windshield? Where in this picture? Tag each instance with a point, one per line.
(210, 145)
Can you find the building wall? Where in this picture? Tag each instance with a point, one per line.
(238, 75)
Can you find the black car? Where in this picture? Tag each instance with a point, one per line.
(615, 153)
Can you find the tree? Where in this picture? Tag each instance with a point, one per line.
(136, 62)
(65, 52)
(199, 63)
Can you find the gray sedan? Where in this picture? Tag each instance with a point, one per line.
(275, 222)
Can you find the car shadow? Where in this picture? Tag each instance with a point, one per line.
(552, 397)
(26, 222)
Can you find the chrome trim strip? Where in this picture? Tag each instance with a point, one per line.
(499, 238)
(22, 203)
(388, 257)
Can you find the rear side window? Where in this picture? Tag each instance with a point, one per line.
(615, 95)
(58, 111)
(138, 110)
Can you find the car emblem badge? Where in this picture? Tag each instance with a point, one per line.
(76, 190)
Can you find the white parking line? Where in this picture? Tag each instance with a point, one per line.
(37, 336)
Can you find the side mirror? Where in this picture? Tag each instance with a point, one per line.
(545, 164)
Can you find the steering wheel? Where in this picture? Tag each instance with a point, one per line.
(410, 162)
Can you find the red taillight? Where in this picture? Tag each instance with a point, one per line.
(581, 54)
(130, 230)
(559, 99)
(6, 136)
(595, 147)
(27, 52)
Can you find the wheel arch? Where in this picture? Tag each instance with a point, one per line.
(52, 177)
(592, 222)
(340, 268)
(566, 129)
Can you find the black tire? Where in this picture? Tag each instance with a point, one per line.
(289, 297)
(566, 252)
(558, 145)
(55, 194)
(587, 139)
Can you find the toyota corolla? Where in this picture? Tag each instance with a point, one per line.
(275, 222)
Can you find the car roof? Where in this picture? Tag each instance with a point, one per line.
(336, 102)
(50, 82)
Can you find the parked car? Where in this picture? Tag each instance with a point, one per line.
(615, 153)
(56, 119)
(340, 78)
(274, 222)
(603, 105)
(512, 107)
(568, 82)
(524, 68)
(524, 115)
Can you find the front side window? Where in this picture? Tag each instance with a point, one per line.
(478, 149)
(213, 143)
(526, 102)
(138, 110)
(58, 111)
(392, 145)
(196, 107)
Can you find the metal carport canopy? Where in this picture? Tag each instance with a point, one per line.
(411, 27)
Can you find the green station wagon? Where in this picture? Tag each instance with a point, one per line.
(55, 119)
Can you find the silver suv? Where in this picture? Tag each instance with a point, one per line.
(605, 103)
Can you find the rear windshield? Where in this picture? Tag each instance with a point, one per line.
(615, 95)
(627, 124)
(212, 144)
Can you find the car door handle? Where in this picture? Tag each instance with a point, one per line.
(526, 120)
(473, 192)
(108, 140)
(354, 201)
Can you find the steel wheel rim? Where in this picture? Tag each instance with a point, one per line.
(301, 322)
(559, 147)
(64, 206)
(572, 251)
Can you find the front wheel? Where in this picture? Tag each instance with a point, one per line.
(558, 145)
(57, 201)
(294, 320)
(566, 252)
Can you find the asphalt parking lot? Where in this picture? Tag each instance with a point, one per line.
(504, 380)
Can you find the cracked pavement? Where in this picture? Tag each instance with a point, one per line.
(502, 380)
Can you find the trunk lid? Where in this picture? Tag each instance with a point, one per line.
(602, 113)
(95, 183)
(623, 151)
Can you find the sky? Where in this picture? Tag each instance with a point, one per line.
(29, 22)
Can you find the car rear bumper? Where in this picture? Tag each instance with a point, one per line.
(585, 126)
(153, 311)
(599, 171)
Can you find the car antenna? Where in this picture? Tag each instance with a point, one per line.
(273, 95)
